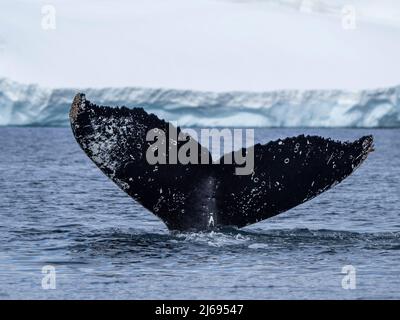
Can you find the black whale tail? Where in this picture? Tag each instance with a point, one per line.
(189, 196)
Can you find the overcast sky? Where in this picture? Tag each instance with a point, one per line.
(202, 44)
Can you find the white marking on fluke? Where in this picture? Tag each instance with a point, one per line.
(211, 220)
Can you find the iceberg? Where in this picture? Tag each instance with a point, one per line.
(32, 105)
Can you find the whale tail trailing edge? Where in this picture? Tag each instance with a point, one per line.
(286, 173)
(201, 196)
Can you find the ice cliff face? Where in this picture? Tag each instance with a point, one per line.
(22, 104)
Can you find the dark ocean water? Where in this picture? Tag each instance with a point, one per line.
(58, 209)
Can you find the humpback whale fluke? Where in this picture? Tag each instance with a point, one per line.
(286, 172)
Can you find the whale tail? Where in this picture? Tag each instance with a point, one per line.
(195, 196)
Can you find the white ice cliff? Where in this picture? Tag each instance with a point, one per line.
(22, 104)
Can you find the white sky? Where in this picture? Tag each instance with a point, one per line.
(202, 44)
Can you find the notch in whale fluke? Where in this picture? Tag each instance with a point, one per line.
(286, 172)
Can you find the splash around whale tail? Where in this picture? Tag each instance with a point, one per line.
(194, 196)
